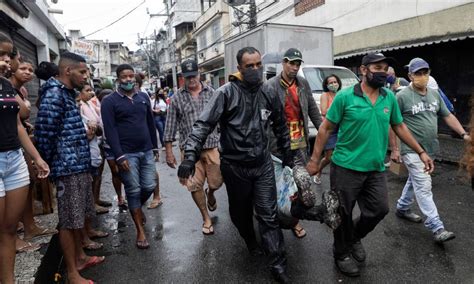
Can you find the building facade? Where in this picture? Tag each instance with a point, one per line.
(35, 33)
(211, 30)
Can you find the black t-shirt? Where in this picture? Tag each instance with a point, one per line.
(9, 109)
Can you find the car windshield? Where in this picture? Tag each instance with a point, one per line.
(316, 75)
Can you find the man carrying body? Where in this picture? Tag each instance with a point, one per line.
(364, 113)
(186, 106)
(130, 131)
(61, 140)
(295, 95)
(420, 107)
(244, 111)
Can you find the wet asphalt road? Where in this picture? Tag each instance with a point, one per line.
(398, 251)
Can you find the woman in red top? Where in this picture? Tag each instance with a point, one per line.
(331, 85)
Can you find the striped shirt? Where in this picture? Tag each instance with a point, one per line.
(183, 111)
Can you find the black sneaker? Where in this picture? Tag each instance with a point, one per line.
(408, 215)
(358, 252)
(348, 266)
(442, 236)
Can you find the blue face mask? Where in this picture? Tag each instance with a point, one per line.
(391, 79)
(127, 86)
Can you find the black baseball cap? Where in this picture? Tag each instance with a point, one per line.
(189, 68)
(293, 54)
(375, 57)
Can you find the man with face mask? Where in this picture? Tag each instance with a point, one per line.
(130, 132)
(185, 107)
(395, 83)
(364, 113)
(420, 107)
(244, 110)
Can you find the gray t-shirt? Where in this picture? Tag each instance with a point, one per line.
(420, 114)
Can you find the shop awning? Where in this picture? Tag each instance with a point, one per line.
(403, 46)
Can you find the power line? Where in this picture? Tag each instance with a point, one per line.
(122, 17)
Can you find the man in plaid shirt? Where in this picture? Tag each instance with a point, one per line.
(185, 107)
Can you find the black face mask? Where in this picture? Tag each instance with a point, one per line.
(376, 79)
(253, 77)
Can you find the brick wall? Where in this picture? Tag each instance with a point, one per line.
(303, 6)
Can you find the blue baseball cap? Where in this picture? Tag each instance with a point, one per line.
(417, 64)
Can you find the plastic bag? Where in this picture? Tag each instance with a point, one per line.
(286, 190)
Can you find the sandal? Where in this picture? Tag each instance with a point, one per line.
(93, 261)
(154, 204)
(98, 235)
(41, 233)
(210, 206)
(299, 232)
(104, 203)
(100, 210)
(28, 247)
(143, 244)
(93, 246)
(208, 230)
(122, 205)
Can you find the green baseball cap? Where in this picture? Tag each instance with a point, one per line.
(293, 54)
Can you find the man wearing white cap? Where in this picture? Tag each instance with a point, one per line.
(420, 107)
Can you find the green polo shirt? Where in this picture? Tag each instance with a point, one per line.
(363, 128)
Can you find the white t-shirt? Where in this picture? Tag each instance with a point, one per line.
(160, 104)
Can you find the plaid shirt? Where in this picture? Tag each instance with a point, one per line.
(183, 112)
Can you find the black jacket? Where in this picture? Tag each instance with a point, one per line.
(244, 117)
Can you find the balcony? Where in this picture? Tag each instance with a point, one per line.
(215, 10)
(186, 40)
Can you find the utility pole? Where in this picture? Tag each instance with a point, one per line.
(170, 46)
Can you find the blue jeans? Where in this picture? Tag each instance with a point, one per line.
(160, 122)
(140, 181)
(419, 186)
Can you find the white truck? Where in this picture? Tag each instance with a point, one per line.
(272, 40)
(314, 42)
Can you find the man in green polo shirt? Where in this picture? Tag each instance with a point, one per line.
(364, 113)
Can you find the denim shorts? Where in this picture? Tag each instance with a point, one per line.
(13, 171)
(140, 182)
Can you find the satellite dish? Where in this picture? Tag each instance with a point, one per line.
(236, 2)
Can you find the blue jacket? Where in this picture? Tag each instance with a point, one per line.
(59, 131)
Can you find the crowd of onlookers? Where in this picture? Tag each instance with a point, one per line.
(79, 126)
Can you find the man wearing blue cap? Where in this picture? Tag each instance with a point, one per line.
(420, 107)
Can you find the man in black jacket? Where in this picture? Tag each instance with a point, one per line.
(244, 111)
